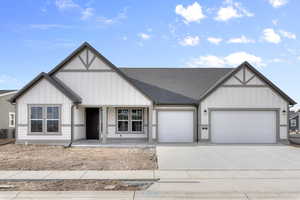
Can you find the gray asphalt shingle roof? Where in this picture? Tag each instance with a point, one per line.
(175, 85)
(6, 91)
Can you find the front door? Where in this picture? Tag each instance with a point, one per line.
(92, 123)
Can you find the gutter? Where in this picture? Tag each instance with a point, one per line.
(72, 124)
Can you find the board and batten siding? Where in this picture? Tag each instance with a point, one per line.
(98, 84)
(45, 93)
(255, 95)
(103, 88)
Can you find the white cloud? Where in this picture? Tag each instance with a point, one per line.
(237, 58)
(144, 36)
(288, 34)
(192, 13)
(207, 61)
(243, 40)
(214, 40)
(278, 3)
(108, 21)
(87, 13)
(66, 4)
(232, 10)
(271, 36)
(232, 60)
(276, 60)
(190, 41)
(49, 26)
(275, 22)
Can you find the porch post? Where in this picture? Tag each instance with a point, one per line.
(150, 117)
(104, 121)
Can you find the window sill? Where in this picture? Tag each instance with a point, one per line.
(44, 134)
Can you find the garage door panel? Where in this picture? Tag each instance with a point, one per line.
(175, 126)
(243, 126)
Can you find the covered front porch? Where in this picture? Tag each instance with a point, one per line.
(98, 125)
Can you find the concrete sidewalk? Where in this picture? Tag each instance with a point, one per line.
(144, 195)
(151, 174)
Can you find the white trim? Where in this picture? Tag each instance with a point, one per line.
(8, 93)
(9, 119)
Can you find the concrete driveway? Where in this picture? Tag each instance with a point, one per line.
(238, 157)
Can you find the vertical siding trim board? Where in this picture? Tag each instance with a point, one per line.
(17, 121)
(177, 110)
(277, 111)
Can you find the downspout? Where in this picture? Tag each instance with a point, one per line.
(72, 124)
(197, 123)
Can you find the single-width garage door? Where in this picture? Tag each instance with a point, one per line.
(175, 126)
(243, 126)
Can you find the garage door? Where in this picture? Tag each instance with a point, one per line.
(243, 126)
(175, 126)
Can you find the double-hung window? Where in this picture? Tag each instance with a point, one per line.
(123, 120)
(44, 119)
(130, 120)
(136, 120)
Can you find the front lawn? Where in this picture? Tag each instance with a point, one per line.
(43, 157)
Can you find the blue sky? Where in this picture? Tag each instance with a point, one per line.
(36, 35)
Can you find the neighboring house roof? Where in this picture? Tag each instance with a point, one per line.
(55, 82)
(7, 92)
(175, 85)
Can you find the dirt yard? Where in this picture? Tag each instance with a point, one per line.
(72, 185)
(42, 157)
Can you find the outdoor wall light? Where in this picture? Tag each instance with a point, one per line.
(205, 110)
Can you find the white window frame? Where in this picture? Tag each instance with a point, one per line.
(136, 120)
(293, 122)
(44, 119)
(129, 131)
(123, 120)
(12, 119)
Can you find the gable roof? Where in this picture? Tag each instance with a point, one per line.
(160, 85)
(101, 57)
(257, 73)
(175, 85)
(55, 82)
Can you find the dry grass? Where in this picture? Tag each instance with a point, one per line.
(72, 185)
(42, 157)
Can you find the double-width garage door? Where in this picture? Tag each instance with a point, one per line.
(243, 126)
(175, 126)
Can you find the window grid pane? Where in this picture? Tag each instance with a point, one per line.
(36, 126)
(52, 113)
(52, 126)
(36, 112)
